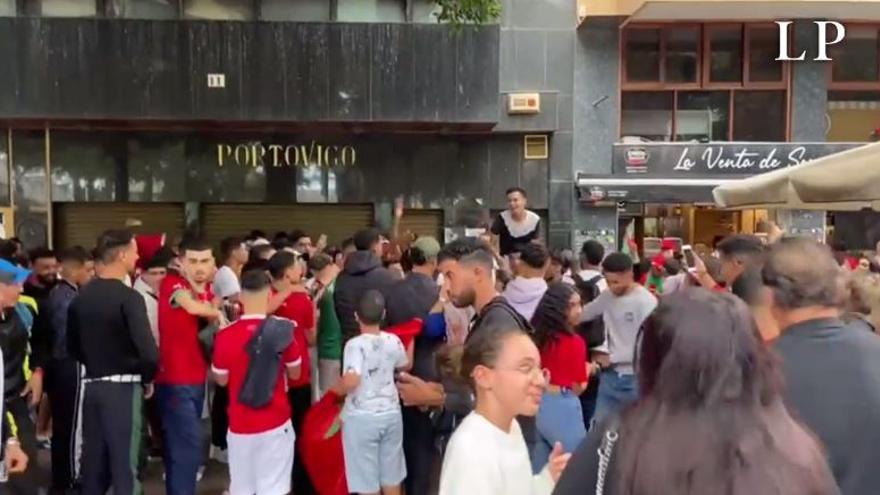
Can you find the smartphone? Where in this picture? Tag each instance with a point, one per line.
(689, 255)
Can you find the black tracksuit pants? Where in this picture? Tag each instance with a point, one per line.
(64, 387)
(420, 449)
(113, 415)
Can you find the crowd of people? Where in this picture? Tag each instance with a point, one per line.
(488, 366)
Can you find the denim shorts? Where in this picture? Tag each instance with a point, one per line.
(373, 447)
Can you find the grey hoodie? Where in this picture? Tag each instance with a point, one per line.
(524, 294)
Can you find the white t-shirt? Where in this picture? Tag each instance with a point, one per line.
(482, 459)
(225, 283)
(623, 317)
(374, 357)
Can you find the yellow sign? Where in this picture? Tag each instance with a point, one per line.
(292, 155)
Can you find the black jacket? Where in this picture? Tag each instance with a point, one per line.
(832, 384)
(363, 272)
(410, 298)
(55, 310)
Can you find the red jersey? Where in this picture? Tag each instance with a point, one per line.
(298, 308)
(231, 359)
(181, 361)
(566, 360)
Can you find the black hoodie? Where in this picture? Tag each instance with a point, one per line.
(363, 272)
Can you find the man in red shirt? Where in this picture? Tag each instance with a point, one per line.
(261, 441)
(186, 304)
(290, 300)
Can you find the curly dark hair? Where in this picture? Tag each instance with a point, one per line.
(551, 315)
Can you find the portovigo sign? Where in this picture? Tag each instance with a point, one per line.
(313, 154)
(713, 159)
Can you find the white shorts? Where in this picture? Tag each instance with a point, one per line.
(261, 463)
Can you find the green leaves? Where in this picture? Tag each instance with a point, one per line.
(458, 12)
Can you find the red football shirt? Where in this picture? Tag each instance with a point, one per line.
(566, 360)
(181, 361)
(231, 359)
(298, 308)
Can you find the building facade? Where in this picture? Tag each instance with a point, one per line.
(229, 115)
(678, 97)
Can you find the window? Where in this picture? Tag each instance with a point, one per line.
(759, 116)
(682, 55)
(68, 8)
(702, 116)
(855, 59)
(142, 9)
(725, 54)
(425, 11)
(647, 114)
(7, 8)
(763, 50)
(224, 10)
(710, 82)
(372, 10)
(643, 55)
(300, 10)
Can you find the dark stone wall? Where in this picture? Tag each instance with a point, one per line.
(537, 55)
(142, 69)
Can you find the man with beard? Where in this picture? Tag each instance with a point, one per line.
(108, 332)
(186, 303)
(468, 268)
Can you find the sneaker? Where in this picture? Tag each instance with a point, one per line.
(220, 455)
(199, 475)
(44, 442)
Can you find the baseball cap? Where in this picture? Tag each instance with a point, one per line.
(12, 274)
(427, 245)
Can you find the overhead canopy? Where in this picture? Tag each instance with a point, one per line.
(848, 180)
(732, 10)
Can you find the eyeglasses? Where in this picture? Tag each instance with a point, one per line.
(531, 371)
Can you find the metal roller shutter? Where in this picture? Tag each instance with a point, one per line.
(82, 223)
(337, 221)
(423, 222)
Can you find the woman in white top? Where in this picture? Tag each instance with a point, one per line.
(487, 455)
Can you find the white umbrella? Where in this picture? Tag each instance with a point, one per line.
(844, 181)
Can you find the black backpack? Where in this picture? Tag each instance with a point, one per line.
(593, 332)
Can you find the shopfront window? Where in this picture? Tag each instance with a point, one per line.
(7, 8)
(68, 8)
(703, 74)
(223, 10)
(31, 187)
(298, 11)
(143, 9)
(372, 10)
(83, 167)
